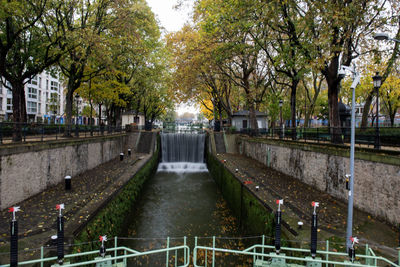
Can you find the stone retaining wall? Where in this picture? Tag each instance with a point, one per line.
(27, 169)
(376, 184)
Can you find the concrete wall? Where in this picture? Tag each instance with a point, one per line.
(376, 184)
(26, 170)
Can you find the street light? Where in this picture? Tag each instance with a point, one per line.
(356, 81)
(280, 111)
(377, 84)
(77, 114)
(381, 36)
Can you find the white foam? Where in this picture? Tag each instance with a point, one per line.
(182, 167)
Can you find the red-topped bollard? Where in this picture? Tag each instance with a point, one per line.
(352, 249)
(14, 238)
(102, 247)
(278, 219)
(60, 234)
(314, 229)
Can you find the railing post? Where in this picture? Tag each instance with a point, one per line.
(262, 249)
(367, 260)
(115, 251)
(184, 252)
(213, 254)
(195, 251)
(327, 252)
(166, 261)
(41, 256)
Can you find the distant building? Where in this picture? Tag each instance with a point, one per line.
(44, 99)
(241, 119)
(133, 117)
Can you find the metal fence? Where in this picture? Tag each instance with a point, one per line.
(388, 136)
(35, 132)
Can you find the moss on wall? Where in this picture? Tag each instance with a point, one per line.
(111, 219)
(254, 217)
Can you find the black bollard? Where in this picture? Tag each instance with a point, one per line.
(278, 218)
(60, 234)
(60, 239)
(314, 232)
(121, 156)
(13, 237)
(129, 152)
(14, 244)
(352, 254)
(102, 251)
(67, 182)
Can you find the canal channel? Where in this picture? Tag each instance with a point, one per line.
(181, 199)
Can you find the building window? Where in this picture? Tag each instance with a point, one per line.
(34, 80)
(54, 85)
(136, 119)
(32, 107)
(39, 108)
(47, 96)
(40, 95)
(40, 82)
(1, 103)
(32, 93)
(47, 84)
(9, 104)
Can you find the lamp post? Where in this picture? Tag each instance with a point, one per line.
(377, 84)
(281, 121)
(356, 81)
(77, 115)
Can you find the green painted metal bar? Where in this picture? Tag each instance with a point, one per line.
(176, 258)
(166, 264)
(115, 246)
(327, 250)
(125, 259)
(133, 253)
(248, 252)
(373, 254)
(205, 259)
(184, 243)
(367, 261)
(263, 242)
(213, 252)
(41, 255)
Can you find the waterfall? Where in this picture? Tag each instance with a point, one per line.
(182, 152)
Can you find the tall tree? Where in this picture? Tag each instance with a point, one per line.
(339, 29)
(29, 42)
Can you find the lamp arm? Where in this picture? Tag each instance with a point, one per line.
(356, 80)
(394, 40)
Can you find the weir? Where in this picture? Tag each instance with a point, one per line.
(180, 147)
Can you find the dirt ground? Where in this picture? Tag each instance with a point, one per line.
(90, 190)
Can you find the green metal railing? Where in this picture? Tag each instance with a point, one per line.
(258, 255)
(264, 255)
(117, 256)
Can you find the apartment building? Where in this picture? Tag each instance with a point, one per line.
(45, 100)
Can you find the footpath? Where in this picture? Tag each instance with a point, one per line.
(269, 185)
(90, 191)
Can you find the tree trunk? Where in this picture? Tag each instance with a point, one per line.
(293, 108)
(68, 111)
(367, 106)
(19, 109)
(333, 81)
(252, 111)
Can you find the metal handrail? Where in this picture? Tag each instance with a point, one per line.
(252, 251)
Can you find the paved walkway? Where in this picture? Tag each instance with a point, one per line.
(90, 190)
(332, 213)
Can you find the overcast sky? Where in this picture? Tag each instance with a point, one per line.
(172, 20)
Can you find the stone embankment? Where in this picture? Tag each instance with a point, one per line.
(91, 192)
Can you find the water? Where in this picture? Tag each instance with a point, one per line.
(181, 199)
(179, 147)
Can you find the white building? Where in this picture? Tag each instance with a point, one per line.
(44, 99)
(241, 120)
